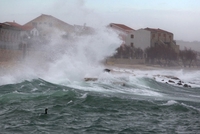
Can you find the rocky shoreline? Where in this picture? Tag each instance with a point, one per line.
(167, 79)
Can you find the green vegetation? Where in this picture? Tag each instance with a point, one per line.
(163, 55)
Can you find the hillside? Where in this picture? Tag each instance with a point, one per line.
(195, 45)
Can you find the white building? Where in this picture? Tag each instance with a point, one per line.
(47, 25)
(126, 33)
(136, 41)
(150, 37)
(142, 39)
(134, 38)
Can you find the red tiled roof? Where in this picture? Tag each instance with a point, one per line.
(122, 26)
(14, 24)
(157, 30)
(1, 24)
(27, 27)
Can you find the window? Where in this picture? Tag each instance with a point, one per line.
(170, 37)
(131, 44)
(164, 35)
(132, 36)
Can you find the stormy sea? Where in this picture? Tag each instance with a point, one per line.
(140, 105)
(133, 100)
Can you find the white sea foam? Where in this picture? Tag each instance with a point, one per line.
(84, 95)
(34, 89)
(69, 102)
(188, 106)
(170, 102)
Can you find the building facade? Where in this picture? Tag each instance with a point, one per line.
(142, 39)
(48, 25)
(136, 41)
(12, 41)
(125, 33)
(11, 34)
(159, 36)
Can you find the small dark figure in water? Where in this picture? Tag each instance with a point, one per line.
(46, 111)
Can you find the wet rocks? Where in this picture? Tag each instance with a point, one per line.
(106, 70)
(186, 85)
(172, 80)
(90, 79)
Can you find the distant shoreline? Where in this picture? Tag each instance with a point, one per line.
(12, 65)
(151, 67)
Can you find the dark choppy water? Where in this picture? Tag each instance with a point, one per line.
(143, 105)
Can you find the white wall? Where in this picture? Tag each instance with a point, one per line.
(142, 39)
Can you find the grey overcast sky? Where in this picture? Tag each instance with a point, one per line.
(181, 17)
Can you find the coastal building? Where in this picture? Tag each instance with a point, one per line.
(11, 34)
(149, 37)
(83, 30)
(136, 41)
(159, 36)
(142, 39)
(31, 31)
(126, 33)
(48, 25)
(13, 41)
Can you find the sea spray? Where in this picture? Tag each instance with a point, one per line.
(84, 56)
(65, 60)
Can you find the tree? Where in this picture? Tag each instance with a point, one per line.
(161, 53)
(187, 56)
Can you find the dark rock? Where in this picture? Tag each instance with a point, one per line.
(90, 79)
(106, 70)
(172, 77)
(186, 85)
(179, 83)
(171, 81)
